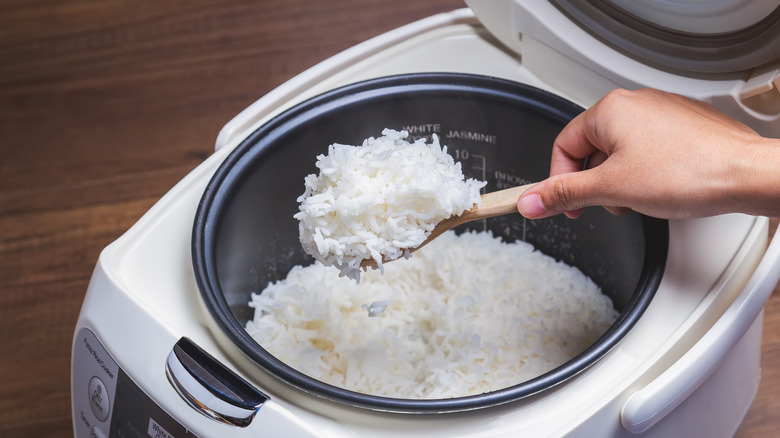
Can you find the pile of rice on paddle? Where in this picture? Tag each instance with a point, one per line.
(377, 200)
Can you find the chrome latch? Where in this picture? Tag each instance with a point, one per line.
(210, 387)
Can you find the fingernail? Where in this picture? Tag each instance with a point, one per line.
(531, 206)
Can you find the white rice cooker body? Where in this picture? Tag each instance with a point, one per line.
(550, 51)
(145, 272)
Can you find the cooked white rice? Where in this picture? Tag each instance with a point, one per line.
(467, 315)
(378, 200)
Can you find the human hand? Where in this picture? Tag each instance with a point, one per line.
(659, 154)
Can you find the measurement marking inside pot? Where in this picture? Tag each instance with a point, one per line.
(483, 177)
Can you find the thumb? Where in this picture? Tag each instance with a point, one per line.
(564, 193)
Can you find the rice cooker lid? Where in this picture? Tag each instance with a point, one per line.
(689, 36)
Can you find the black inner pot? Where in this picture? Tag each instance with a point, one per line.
(245, 235)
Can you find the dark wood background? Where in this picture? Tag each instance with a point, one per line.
(104, 106)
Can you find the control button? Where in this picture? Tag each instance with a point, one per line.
(98, 399)
(95, 432)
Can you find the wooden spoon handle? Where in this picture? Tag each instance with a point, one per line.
(497, 203)
(491, 204)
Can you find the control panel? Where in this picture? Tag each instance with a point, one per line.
(107, 403)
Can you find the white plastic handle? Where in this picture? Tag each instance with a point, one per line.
(652, 403)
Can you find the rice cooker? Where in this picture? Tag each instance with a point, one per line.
(160, 348)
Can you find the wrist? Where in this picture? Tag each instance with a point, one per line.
(756, 187)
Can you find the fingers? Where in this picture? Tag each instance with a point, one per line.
(572, 147)
(565, 193)
(596, 159)
(618, 211)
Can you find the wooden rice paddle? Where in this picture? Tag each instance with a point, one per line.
(492, 204)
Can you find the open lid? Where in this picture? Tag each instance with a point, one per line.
(697, 36)
(691, 37)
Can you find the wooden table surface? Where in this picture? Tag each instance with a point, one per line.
(104, 106)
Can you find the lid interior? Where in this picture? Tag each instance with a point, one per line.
(666, 48)
(658, 36)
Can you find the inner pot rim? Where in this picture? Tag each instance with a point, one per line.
(217, 194)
